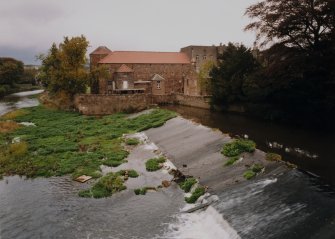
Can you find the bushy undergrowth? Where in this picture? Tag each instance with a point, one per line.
(187, 184)
(231, 160)
(105, 187)
(253, 171)
(198, 192)
(69, 143)
(154, 164)
(132, 141)
(273, 157)
(237, 147)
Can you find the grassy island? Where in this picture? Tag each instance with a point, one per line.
(63, 143)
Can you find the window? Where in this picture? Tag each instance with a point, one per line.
(197, 58)
(204, 57)
(158, 85)
(110, 82)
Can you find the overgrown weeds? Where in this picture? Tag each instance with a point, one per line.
(154, 164)
(237, 147)
(69, 143)
(198, 192)
(187, 184)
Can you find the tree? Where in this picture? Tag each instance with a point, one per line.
(303, 24)
(100, 71)
(235, 65)
(63, 68)
(204, 79)
(11, 71)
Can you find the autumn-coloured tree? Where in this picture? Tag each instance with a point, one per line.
(63, 68)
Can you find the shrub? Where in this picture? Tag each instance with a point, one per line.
(237, 147)
(231, 161)
(105, 187)
(249, 174)
(198, 192)
(154, 164)
(256, 168)
(252, 172)
(140, 191)
(132, 141)
(187, 184)
(131, 173)
(273, 157)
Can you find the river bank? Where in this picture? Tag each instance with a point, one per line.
(256, 208)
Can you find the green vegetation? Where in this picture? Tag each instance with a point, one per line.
(187, 184)
(63, 68)
(141, 191)
(252, 172)
(249, 174)
(14, 114)
(273, 157)
(130, 172)
(11, 71)
(68, 143)
(105, 187)
(292, 79)
(237, 147)
(231, 160)
(154, 164)
(198, 192)
(132, 141)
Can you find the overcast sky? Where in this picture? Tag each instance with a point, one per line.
(29, 27)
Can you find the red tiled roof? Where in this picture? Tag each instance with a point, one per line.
(124, 69)
(101, 50)
(145, 57)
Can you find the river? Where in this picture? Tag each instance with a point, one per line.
(313, 151)
(291, 206)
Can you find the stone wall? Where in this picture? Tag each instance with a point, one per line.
(193, 101)
(109, 104)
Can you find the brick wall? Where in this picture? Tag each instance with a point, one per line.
(174, 75)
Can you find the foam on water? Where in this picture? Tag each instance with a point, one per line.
(208, 224)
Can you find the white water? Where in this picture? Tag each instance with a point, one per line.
(208, 224)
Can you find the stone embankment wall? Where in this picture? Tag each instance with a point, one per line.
(193, 101)
(109, 104)
(91, 104)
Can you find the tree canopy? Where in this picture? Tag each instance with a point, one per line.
(292, 78)
(63, 68)
(295, 23)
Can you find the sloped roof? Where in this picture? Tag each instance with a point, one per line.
(145, 57)
(101, 50)
(157, 77)
(124, 69)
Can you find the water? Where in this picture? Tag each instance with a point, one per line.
(293, 205)
(312, 151)
(51, 208)
(18, 100)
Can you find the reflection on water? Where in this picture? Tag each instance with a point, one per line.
(18, 100)
(310, 150)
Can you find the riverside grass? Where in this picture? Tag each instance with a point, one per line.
(69, 143)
